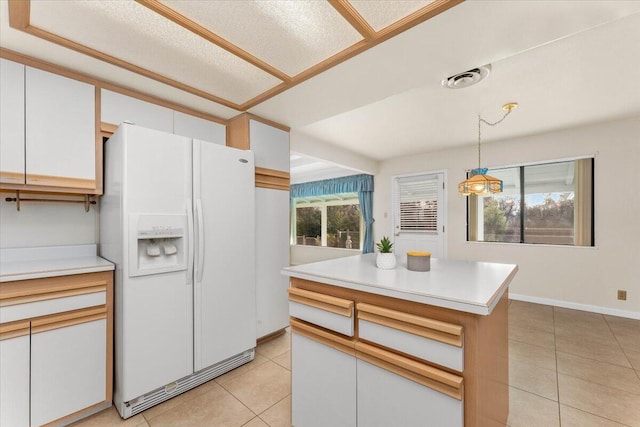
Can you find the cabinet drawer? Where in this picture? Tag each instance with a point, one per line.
(29, 309)
(329, 312)
(428, 339)
(393, 390)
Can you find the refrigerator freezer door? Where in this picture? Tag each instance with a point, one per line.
(154, 313)
(224, 318)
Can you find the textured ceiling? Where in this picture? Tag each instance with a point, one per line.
(235, 53)
(567, 63)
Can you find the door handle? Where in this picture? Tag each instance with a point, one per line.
(200, 217)
(190, 245)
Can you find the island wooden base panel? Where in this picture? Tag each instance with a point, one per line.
(486, 352)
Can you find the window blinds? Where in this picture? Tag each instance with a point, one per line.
(416, 203)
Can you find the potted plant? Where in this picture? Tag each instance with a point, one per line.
(385, 259)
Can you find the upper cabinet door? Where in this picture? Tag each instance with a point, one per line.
(116, 108)
(270, 146)
(60, 142)
(197, 128)
(11, 122)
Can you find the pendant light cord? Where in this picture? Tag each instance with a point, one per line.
(481, 120)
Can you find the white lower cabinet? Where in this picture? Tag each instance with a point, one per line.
(386, 399)
(55, 349)
(14, 383)
(323, 382)
(67, 370)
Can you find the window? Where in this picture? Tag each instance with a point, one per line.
(550, 203)
(417, 203)
(331, 220)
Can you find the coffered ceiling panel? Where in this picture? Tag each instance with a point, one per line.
(289, 35)
(135, 34)
(237, 53)
(382, 13)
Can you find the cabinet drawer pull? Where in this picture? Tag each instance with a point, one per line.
(70, 318)
(22, 288)
(52, 295)
(447, 333)
(335, 305)
(436, 379)
(327, 338)
(14, 329)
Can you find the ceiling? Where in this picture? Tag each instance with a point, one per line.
(361, 75)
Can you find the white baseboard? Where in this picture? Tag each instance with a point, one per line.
(577, 306)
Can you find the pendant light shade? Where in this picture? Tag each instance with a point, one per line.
(479, 182)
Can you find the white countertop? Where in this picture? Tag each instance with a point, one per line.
(473, 287)
(50, 261)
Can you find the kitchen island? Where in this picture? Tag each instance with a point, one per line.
(374, 347)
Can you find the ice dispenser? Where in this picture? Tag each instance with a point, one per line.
(158, 243)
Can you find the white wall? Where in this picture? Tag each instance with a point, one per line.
(46, 224)
(306, 254)
(588, 276)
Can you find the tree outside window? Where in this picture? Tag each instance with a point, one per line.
(331, 221)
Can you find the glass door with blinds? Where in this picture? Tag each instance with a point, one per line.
(418, 215)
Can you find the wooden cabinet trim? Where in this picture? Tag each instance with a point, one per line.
(238, 132)
(428, 328)
(273, 173)
(60, 181)
(52, 295)
(14, 329)
(67, 318)
(332, 340)
(271, 178)
(12, 178)
(22, 288)
(436, 379)
(323, 302)
(107, 129)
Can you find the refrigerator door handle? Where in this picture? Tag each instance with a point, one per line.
(200, 218)
(190, 243)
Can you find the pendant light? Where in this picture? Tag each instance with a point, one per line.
(479, 182)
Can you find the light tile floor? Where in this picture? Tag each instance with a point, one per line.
(567, 368)
(572, 368)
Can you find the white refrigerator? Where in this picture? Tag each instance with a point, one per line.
(177, 219)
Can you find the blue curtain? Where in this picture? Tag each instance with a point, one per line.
(361, 184)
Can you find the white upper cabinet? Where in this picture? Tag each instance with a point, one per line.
(270, 146)
(197, 128)
(60, 138)
(11, 122)
(116, 108)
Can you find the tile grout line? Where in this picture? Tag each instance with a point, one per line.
(582, 379)
(596, 415)
(621, 347)
(270, 408)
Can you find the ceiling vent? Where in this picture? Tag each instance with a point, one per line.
(467, 78)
